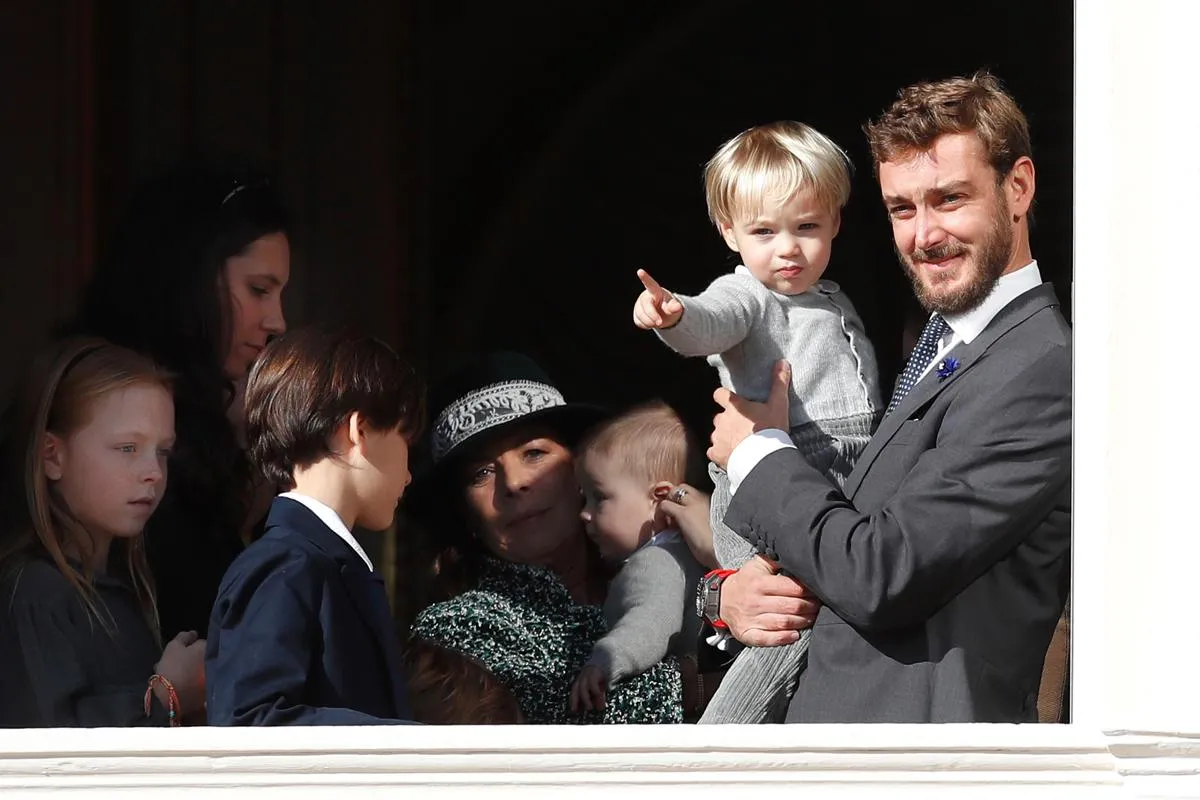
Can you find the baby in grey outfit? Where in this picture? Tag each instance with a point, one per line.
(775, 193)
(625, 467)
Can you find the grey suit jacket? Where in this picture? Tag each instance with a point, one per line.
(943, 567)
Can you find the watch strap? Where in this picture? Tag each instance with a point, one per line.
(713, 581)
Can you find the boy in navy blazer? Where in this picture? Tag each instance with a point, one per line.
(301, 633)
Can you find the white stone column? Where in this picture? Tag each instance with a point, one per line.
(1137, 322)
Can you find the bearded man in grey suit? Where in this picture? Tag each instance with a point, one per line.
(936, 577)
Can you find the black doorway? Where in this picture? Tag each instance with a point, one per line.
(562, 150)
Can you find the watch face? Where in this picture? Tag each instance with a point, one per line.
(700, 587)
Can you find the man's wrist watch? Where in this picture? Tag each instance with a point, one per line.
(708, 597)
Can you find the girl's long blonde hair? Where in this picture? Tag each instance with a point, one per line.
(57, 397)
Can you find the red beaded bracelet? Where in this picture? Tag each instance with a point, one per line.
(172, 698)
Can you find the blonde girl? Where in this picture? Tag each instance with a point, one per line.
(85, 461)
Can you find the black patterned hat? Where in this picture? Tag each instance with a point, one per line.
(483, 400)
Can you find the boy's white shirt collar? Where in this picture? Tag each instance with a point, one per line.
(332, 521)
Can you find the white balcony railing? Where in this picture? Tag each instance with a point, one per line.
(925, 761)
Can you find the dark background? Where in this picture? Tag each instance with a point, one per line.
(467, 176)
(470, 175)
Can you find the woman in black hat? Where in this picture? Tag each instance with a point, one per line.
(525, 584)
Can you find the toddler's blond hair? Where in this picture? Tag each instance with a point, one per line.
(766, 166)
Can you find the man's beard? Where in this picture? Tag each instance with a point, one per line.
(989, 260)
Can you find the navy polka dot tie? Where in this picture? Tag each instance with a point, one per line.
(918, 360)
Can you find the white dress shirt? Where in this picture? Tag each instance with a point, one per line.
(332, 521)
(964, 328)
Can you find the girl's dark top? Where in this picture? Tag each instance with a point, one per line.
(195, 534)
(59, 667)
(188, 549)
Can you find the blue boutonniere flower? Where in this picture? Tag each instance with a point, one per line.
(947, 368)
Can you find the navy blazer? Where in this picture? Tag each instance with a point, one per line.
(301, 633)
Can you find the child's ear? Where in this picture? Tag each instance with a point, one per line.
(660, 490)
(837, 222)
(727, 235)
(356, 429)
(52, 456)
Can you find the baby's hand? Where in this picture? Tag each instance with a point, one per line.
(589, 690)
(655, 307)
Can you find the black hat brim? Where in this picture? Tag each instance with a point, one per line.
(433, 485)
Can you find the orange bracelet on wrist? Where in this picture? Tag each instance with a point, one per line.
(172, 698)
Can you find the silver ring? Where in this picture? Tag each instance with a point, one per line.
(677, 494)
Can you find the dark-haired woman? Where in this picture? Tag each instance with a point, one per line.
(194, 278)
(521, 585)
